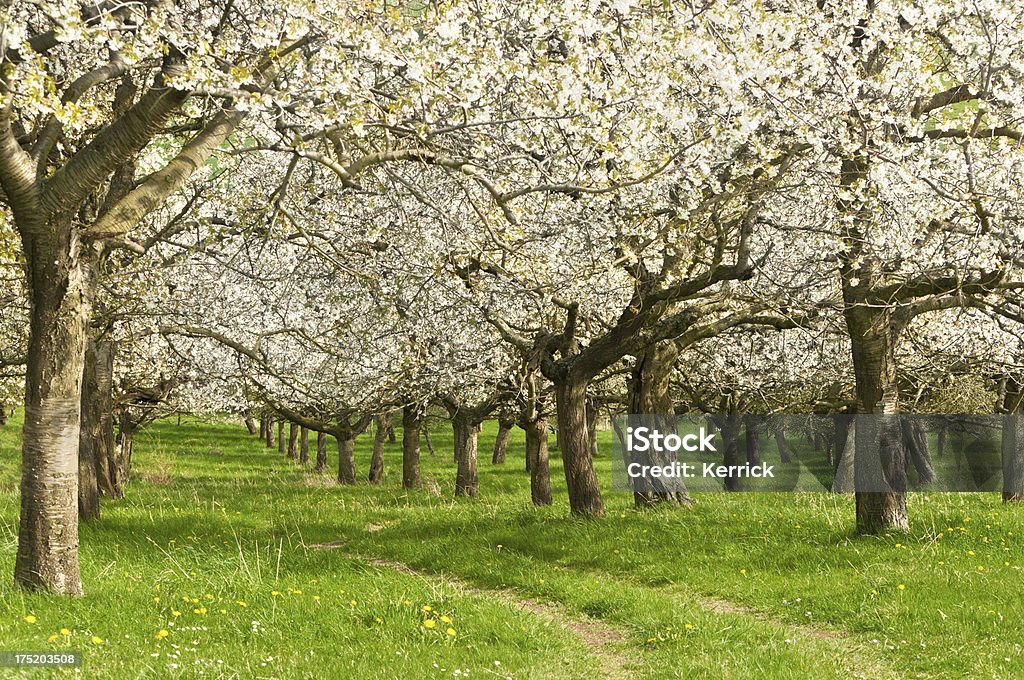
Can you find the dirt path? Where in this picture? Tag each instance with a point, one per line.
(605, 641)
(602, 639)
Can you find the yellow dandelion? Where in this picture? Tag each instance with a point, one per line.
(161, 634)
(208, 596)
(96, 640)
(353, 603)
(30, 618)
(156, 599)
(240, 603)
(426, 607)
(445, 619)
(65, 631)
(901, 587)
(688, 626)
(743, 572)
(450, 631)
(175, 613)
(316, 598)
(274, 593)
(52, 638)
(429, 623)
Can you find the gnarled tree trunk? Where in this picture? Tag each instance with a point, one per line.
(650, 396)
(281, 443)
(303, 446)
(574, 443)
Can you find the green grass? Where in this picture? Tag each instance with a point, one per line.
(236, 522)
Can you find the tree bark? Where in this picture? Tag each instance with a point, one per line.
(412, 419)
(282, 445)
(574, 442)
(880, 461)
(270, 433)
(250, 425)
(915, 442)
(501, 441)
(752, 438)
(380, 438)
(263, 428)
(89, 437)
(465, 433)
(321, 452)
(303, 446)
(537, 457)
(650, 396)
(782, 445)
(61, 292)
(844, 480)
(111, 463)
(293, 441)
(346, 459)
(592, 413)
(730, 430)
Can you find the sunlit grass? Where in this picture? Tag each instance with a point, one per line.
(212, 516)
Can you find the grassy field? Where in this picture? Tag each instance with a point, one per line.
(226, 560)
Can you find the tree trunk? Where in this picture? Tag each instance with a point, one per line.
(730, 428)
(293, 441)
(844, 480)
(321, 452)
(501, 441)
(412, 419)
(915, 442)
(380, 437)
(303, 446)
(111, 464)
(250, 425)
(89, 437)
(574, 442)
(880, 462)
(537, 460)
(650, 396)
(592, 413)
(1013, 443)
(282, 445)
(270, 433)
(465, 432)
(3, 415)
(782, 445)
(61, 293)
(752, 438)
(263, 428)
(426, 438)
(346, 459)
